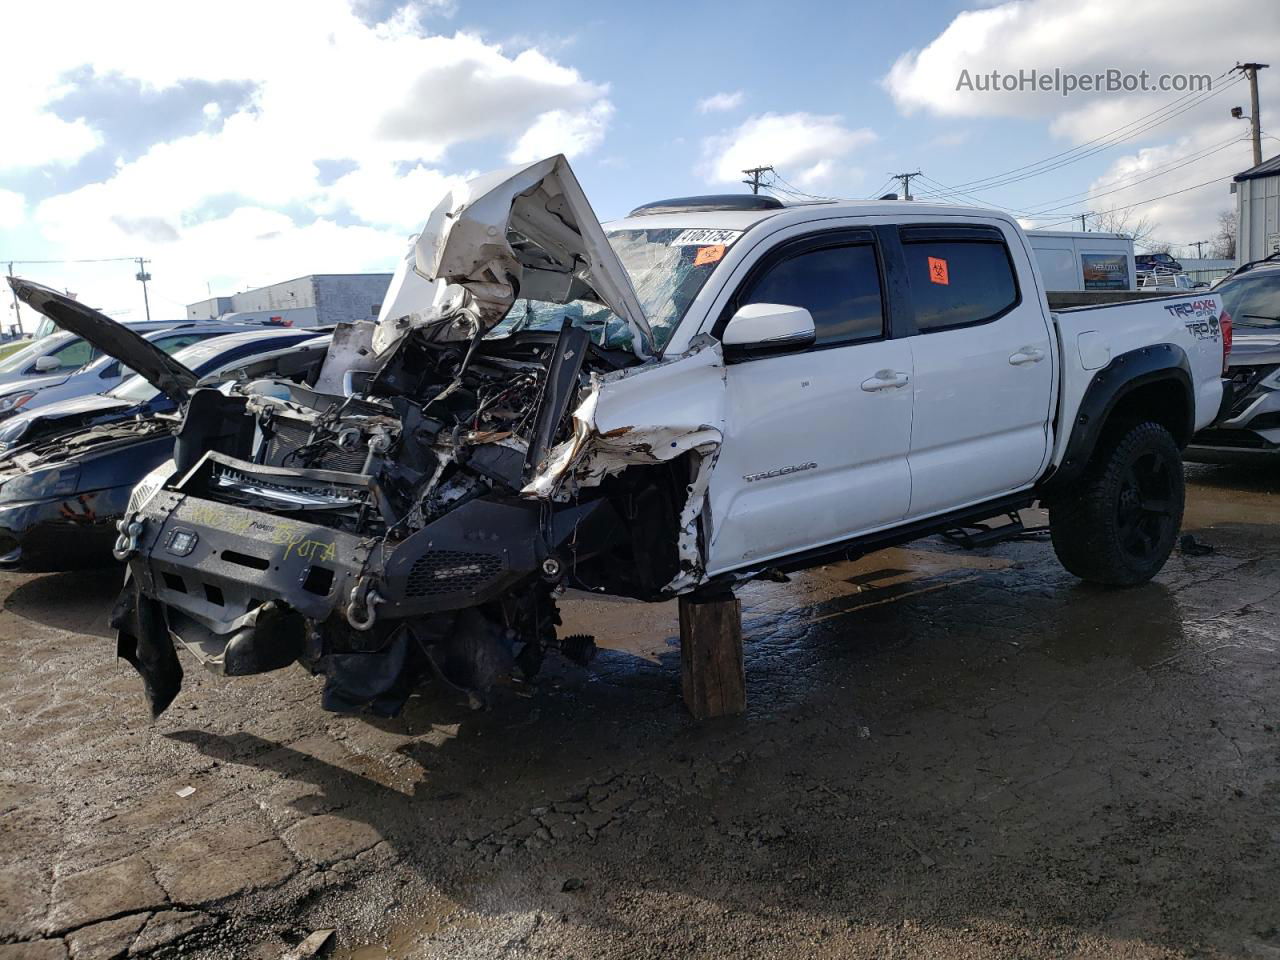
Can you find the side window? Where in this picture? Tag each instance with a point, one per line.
(74, 355)
(171, 344)
(957, 283)
(839, 286)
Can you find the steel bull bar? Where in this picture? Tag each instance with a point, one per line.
(223, 573)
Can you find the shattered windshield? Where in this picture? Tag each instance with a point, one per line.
(667, 267)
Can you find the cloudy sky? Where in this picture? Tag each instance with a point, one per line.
(240, 143)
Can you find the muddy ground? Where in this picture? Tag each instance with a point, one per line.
(947, 753)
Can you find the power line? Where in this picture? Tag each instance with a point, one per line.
(1045, 210)
(944, 191)
(1103, 142)
(1250, 70)
(905, 180)
(754, 173)
(1130, 206)
(1158, 170)
(778, 178)
(1123, 133)
(877, 194)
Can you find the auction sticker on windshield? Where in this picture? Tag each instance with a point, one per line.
(705, 237)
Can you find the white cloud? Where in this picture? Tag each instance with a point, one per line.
(1173, 171)
(1093, 36)
(720, 102)
(562, 131)
(34, 139)
(805, 148)
(1085, 37)
(243, 201)
(13, 209)
(378, 194)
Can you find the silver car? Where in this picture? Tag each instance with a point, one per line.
(1251, 426)
(61, 366)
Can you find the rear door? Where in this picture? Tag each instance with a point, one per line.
(816, 438)
(984, 365)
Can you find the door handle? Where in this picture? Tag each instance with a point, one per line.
(1026, 355)
(885, 380)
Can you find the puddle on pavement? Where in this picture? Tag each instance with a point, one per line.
(409, 934)
(643, 630)
(1236, 496)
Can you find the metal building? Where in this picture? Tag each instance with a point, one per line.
(1257, 193)
(316, 300)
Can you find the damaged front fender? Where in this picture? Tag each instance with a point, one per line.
(643, 416)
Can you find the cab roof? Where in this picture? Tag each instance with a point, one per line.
(789, 213)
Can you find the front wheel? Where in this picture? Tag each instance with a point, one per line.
(1119, 524)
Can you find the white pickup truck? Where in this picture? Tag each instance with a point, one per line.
(708, 390)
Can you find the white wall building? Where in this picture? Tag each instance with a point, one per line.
(1257, 193)
(316, 300)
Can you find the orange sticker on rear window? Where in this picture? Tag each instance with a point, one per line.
(938, 271)
(707, 255)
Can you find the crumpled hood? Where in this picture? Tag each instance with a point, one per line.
(66, 416)
(114, 339)
(527, 232)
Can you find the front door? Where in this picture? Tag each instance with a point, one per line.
(816, 439)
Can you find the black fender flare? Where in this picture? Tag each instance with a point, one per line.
(1161, 362)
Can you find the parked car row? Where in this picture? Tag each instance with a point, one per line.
(67, 468)
(64, 366)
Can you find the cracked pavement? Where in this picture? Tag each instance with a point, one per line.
(947, 753)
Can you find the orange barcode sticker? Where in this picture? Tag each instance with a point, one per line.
(707, 255)
(938, 271)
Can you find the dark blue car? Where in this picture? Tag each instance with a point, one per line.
(67, 469)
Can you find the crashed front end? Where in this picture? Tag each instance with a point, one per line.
(418, 507)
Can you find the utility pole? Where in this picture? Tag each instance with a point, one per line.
(1198, 244)
(754, 173)
(144, 277)
(17, 311)
(1083, 227)
(905, 180)
(1250, 70)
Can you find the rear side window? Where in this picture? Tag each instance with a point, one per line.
(170, 344)
(960, 282)
(839, 286)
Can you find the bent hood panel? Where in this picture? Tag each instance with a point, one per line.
(114, 339)
(561, 253)
(63, 417)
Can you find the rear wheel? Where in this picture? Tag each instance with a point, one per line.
(1119, 524)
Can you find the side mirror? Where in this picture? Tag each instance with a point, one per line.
(47, 364)
(768, 326)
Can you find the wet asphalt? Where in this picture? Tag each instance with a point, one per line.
(947, 752)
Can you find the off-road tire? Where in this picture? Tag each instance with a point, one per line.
(1118, 525)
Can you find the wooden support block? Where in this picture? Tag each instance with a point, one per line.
(711, 674)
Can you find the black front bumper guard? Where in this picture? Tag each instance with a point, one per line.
(235, 585)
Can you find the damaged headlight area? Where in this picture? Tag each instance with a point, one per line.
(393, 515)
